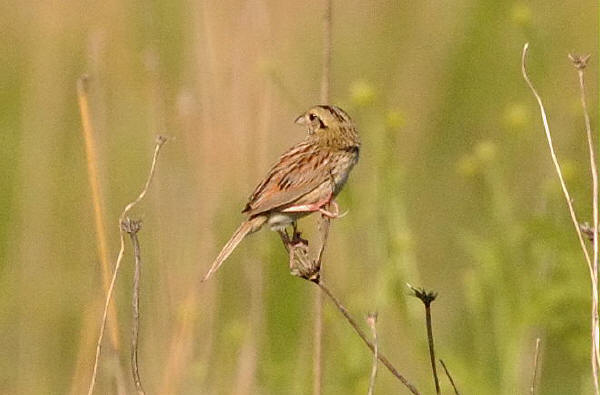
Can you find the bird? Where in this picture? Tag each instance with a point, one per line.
(306, 178)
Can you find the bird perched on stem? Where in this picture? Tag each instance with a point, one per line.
(305, 179)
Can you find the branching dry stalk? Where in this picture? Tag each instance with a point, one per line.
(449, 377)
(372, 322)
(427, 298)
(580, 63)
(536, 358)
(595, 352)
(132, 227)
(302, 266)
(160, 140)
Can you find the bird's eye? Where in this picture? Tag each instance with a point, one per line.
(312, 117)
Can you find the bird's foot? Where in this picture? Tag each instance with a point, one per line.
(334, 213)
(297, 239)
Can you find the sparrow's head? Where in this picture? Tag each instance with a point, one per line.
(320, 118)
(331, 127)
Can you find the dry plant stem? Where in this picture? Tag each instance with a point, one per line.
(555, 161)
(593, 276)
(324, 224)
(372, 321)
(160, 140)
(325, 74)
(318, 344)
(92, 171)
(364, 337)
(449, 377)
(132, 228)
(431, 349)
(580, 64)
(536, 358)
(427, 298)
(302, 266)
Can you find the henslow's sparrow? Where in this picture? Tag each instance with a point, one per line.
(304, 180)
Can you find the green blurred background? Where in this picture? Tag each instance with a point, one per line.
(455, 191)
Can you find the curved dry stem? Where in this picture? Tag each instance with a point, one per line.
(593, 275)
(555, 160)
(160, 140)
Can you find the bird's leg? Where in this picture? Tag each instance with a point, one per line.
(285, 238)
(297, 249)
(289, 245)
(296, 236)
(335, 213)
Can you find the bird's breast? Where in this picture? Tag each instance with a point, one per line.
(342, 169)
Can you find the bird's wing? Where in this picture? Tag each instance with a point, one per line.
(300, 177)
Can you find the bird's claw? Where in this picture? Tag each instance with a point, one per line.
(297, 239)
(335, 213)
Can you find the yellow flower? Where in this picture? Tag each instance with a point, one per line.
(362, 93)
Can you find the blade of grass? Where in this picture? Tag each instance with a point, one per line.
(92, 170)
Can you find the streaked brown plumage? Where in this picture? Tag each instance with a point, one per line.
(305, 179)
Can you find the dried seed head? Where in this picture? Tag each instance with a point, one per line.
(579, 61)
(427, 297)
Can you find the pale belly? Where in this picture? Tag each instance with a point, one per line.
(279, 220)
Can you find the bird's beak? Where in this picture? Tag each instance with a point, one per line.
(301, 120)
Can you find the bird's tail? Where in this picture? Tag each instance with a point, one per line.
(247, 227)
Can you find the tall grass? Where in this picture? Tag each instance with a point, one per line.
(453, 192)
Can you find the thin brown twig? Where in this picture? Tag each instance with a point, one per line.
(132, 228)
(555, 161)
(372, 322)
(382, 358)
(93, 179)
(593, 273)
(449, 377)
(536, 358)
(324, 225)
(580, 63)
(427, 298)
(302, 266)
(324, 222)
(326, 56)
(160, 140)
